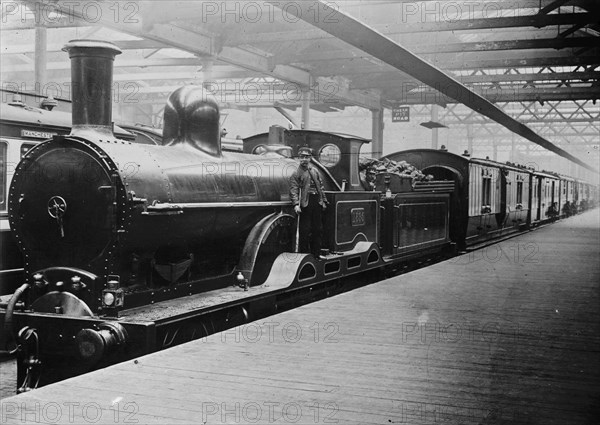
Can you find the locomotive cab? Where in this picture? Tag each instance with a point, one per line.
(336, 155)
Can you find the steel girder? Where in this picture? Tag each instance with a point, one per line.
(357, 34)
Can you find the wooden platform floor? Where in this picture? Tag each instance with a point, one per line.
(505, 335)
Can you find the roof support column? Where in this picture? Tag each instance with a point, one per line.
(305, 124)
(377, 133)
(435, 109)
(207, 76)
(41, 47)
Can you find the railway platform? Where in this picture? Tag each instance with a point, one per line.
(508, 334)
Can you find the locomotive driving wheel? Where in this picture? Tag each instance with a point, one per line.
(271, 237)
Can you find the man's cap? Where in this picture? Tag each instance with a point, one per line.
(305, 151)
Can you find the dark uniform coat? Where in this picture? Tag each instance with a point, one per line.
(301, 180)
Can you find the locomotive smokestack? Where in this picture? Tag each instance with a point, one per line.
(91, 84)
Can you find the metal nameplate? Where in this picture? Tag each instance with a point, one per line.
(37, 134)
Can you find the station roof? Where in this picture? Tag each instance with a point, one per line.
(259, 54)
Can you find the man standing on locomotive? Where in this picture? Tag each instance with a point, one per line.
(308, 197)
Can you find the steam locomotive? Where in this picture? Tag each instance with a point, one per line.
(132, 248)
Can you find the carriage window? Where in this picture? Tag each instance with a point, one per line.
(519, 192)
(3, 176)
